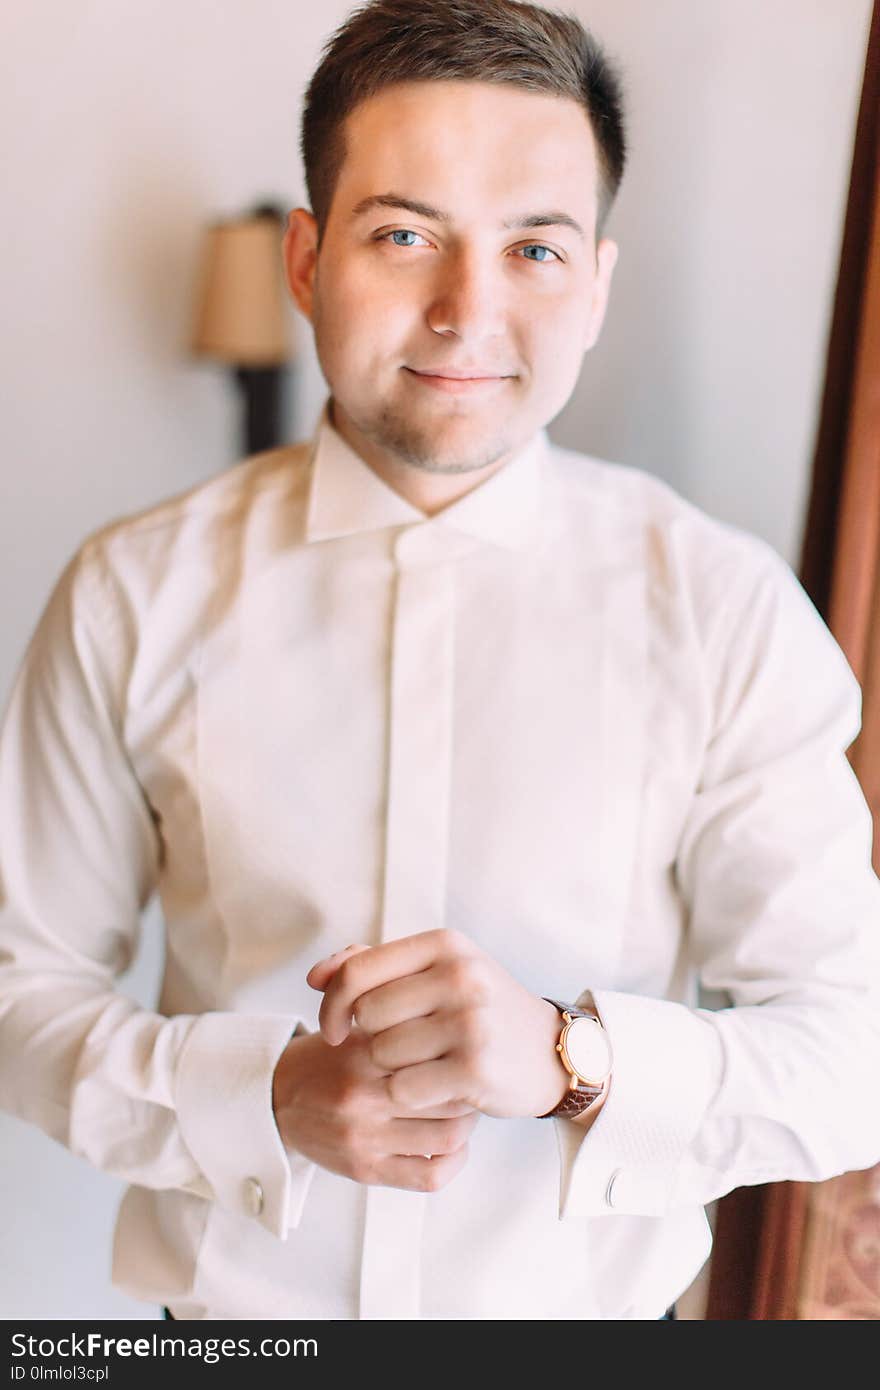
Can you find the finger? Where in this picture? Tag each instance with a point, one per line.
(324, 970)
(420, 1137)
(412, 996)
(423, 1174)
(446, 1110)
(431, 1084)
(395, 1109)
(366, 970)
(416, 1040)
(361, 1065)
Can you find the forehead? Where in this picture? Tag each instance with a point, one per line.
(468, 142)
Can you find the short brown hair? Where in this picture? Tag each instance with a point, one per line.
(502, 41)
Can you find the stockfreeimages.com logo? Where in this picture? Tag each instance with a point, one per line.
(95, 1346)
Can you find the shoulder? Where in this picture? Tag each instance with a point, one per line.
(643, 500)
(160, 572)
(222, 503)
(740, 599)
(683, 546)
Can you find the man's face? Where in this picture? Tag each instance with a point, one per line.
(462, 281)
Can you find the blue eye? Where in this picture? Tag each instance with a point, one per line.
(533, 252)
(536, 247)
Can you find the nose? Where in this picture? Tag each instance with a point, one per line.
(468, 298)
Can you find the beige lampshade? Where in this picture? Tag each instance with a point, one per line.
(241, 300)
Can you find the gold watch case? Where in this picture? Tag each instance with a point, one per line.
(586, 1055)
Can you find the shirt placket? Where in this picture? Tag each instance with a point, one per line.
(416, 838)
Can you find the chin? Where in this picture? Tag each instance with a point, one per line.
(438, 453)
(452, 440)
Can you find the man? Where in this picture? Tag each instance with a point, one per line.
(446, 749)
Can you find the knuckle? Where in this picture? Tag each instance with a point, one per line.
(468, 980)
(350, 971)
(348, 1099)
(480, 987)
(459, 973)
(453, 942)
(472, 1030)
(347, 1133)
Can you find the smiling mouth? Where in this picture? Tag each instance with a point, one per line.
(457, 384)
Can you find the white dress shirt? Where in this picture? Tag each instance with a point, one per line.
(570, 715)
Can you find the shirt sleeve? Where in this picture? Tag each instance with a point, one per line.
(783, 905)
(182, 1102)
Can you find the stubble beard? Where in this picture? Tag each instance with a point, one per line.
(417, 444)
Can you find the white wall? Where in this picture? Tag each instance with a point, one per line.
(730, 217)
(127, 125)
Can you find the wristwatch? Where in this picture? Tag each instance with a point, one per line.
(585, 1052)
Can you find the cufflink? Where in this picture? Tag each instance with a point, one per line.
(253, 1196)
(609, 1191)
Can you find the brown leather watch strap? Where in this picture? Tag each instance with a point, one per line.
(575, 1102)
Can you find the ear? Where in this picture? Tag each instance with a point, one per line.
(606, 258)
(300, 252)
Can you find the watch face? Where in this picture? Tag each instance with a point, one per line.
(588, 1050)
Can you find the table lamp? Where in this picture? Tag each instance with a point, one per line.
(239, 317)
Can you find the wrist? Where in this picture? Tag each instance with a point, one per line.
(555, 1080)
(285, 1078)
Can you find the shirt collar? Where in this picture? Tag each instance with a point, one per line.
(346, 497)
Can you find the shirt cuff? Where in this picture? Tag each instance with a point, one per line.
(667, 1068)
(223, 1098)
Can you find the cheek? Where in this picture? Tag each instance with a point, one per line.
(362, 314)
(368, 285)
(557, 342)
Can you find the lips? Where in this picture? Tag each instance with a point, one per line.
(460, 373)
(459, 381)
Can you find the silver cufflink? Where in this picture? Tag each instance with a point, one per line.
(253, 1196)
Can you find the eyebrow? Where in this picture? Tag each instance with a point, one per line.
(396, 200)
